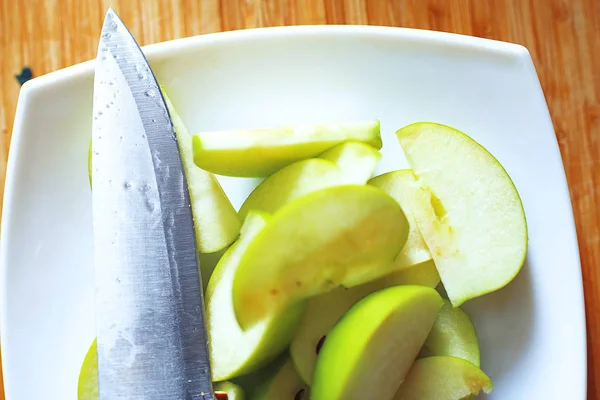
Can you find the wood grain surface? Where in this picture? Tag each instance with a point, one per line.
(563, 37)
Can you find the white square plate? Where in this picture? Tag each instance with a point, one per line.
(532, 332)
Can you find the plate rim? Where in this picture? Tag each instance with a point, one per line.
(164, 48)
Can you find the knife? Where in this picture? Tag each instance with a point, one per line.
(151, 338)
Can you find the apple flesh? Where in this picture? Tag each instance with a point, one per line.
(401, 185)
(370, 350)
(282, 383)
(357, 161)
(339, 236)
(469, 211)
(87, 386)
(233, 351)
(208, 262)
(233, 391)
(423, 274)
(324, 311)
(347, 163)
(216, 221)
(443, 378)
(321, 315)
(453, 334)
(289, 183)
(261, 152)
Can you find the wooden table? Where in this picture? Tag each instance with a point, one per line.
(563, 37)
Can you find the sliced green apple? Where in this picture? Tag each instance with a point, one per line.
(443, 378)
(208, 262)
(87, 386)
(347, 163)
(469, 213)
(321, 315)
(423, 274)
(250, 382)
(371, 349)
(453, 334)
(357, 161)
(401, 185)
(233, 391)
(339, 236)
(324, 311)
(282, 384)
(233, 351)
(261, 152)
(291, 182)
(216, 221)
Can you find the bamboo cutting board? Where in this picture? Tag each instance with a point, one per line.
(563, 37)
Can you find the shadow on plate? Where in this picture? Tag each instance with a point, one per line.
(504, 323)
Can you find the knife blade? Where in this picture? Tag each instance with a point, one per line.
(151, 338)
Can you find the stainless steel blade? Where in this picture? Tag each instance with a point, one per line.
(152, 341)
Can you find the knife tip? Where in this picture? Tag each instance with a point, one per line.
(111, 17)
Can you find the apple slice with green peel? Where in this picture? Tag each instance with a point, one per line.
(233, 351)
(321, 315)
(233, 391)
(453, 334)
(443, 378)
(291, 182)
(216, 221)
(347, 163)
(261, 152)
(208, 262)
(402, 185)
(469, 212)
(371, 349)
(423, 274)
(324, 311)
(339, 236)
(87, 386)
(357, 161)
(282, 384)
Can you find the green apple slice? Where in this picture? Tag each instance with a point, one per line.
(321, 315)
(336, 236)
(357, 161)
(282, 384)
(208, 262)
(233, 351)
(470, 214)
(261, 152)
(347, 163)
(369, 352)
(87, 386)
(233, 391)
(291, 182)
(216, 221)
(453, 334)
(443, 378)
(324, 311)
(423, 274)
(401, 185)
